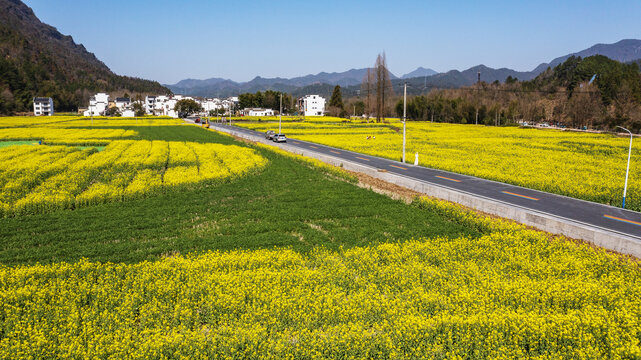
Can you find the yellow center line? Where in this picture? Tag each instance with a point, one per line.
(335, 152)
(358, 157)
(519, 195)
(398, 167)
(622, 220)
(315, 147)
(446, 178)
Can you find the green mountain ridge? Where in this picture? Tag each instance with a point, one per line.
(37, 60)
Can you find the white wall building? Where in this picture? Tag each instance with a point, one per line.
(128, 113)
(98, 104)
(257, 112)
(150, 104)
(42, 106)
(122, 103)
(211, 104)
(313, 105)
(168, 107)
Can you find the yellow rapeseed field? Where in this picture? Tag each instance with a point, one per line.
(38, 179)
(580, 165)
(27, 121)
(510, 293)
(513, 293)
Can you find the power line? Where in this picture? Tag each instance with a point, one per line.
(399, 87)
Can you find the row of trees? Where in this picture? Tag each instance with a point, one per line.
(595, 92)
(268, 100)
(494, 106)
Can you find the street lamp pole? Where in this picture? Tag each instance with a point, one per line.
(404, 117)
(280, 113)
(627, 171)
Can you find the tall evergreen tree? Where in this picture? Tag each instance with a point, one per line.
(337, 98)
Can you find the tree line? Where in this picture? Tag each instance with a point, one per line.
(595, 92)
(267, 100)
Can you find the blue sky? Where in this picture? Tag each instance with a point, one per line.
(169, 41)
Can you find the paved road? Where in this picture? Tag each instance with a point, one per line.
(597, 215)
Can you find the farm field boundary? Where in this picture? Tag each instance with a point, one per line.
(605, 238)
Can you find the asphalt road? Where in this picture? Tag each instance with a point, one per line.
(606, 217)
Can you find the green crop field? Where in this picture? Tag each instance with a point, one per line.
(191, 244)
(580, 165)
(277, 207)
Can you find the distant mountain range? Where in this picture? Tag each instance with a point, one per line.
(223, 87)
(420, 72)
(624, 51)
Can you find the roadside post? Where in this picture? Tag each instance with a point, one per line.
(627, 171)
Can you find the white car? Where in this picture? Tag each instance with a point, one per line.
(279, 138)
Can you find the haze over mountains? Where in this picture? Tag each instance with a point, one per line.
(624, 51)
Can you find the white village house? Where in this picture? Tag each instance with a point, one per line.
(257, 112)
(42, 106)
(98, 104)
(313, 105)
(128, 113)
(211, 105)
(150, 104)
(158, 105)
(122, 103)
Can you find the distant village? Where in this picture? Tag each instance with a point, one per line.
(102, 105)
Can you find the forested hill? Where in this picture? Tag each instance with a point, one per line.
(613, 79)
(37, 60)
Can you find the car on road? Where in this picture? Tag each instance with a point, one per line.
(269, 135)
(280, 138)
(197, 121)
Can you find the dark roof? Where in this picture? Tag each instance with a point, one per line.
(41, 99)
(123, 100)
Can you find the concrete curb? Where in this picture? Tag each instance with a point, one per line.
(539, 220)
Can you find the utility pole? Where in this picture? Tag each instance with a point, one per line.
(404, 117)
(478, 84)
(280, 114)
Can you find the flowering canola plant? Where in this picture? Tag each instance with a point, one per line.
(585, 166)
(511, 293)
(37, 179)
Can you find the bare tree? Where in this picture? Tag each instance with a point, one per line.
(384, 90)
(367, 88)
(584, 107)
(377, 89)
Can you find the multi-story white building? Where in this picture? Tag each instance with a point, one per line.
(98, 104)
(150, 104)
(42, 106)
(169, 105)
(313, 105)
